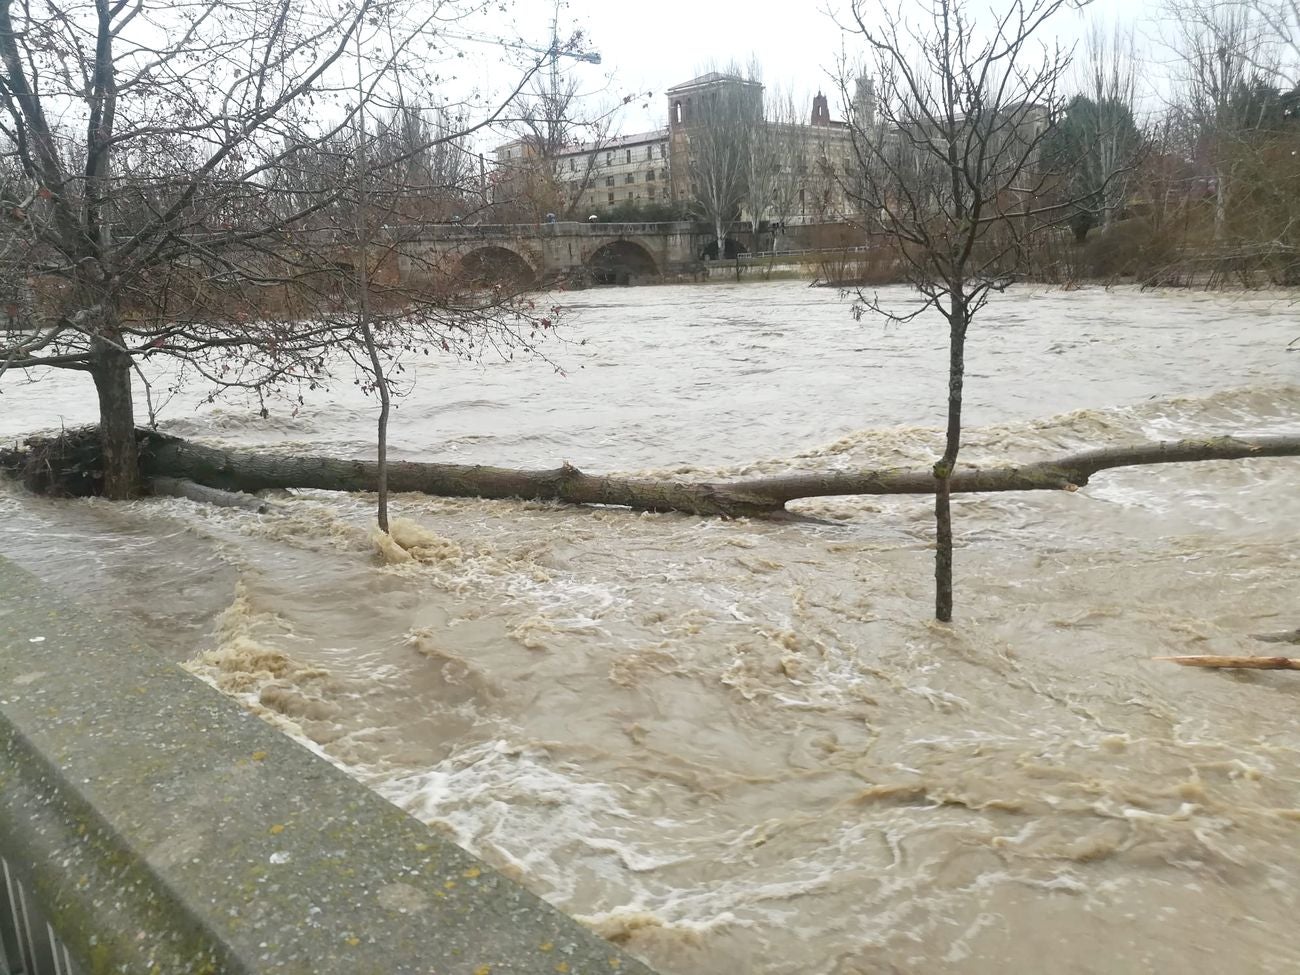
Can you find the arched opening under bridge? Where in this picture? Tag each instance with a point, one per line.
(488, 266)
(731, 248)
(622, 262)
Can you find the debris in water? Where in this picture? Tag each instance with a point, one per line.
(1247, 663)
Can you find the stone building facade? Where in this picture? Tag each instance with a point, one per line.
(814, 164)
(587, 179)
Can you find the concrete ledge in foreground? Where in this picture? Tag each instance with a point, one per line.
(162, 829)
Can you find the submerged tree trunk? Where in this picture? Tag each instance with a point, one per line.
(240, 470)
(120, 462)
(171, 487)
(943, 470)
(381, 465)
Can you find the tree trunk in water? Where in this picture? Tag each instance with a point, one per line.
(942, 550)
(241, 470)
(111, 372)
(381, 383)
(171, 487)
(943, 470)
(722, 240)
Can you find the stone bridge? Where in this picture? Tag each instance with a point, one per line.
(595, 253)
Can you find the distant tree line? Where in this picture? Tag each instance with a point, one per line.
(1205, 188)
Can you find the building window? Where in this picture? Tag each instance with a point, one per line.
(650, 192)
(650, 176)
(630, 178)
(629, 155)
(629, 194)
(649, 152)
(609, 159)
(609, 180)
(663, 152)
(677, 113)
(572, 164)
(611, 198)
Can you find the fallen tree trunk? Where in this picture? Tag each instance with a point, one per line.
(251, 471)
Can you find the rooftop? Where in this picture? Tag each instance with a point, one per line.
(712, 78)
(614, 142)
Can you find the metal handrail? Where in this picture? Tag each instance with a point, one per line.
(28, 943)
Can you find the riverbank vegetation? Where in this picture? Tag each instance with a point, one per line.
(1196, 184)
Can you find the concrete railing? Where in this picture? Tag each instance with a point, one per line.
(150, 825)
(511, 231)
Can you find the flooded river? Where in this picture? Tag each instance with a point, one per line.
(743, 747)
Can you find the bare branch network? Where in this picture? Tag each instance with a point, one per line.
(183, 182)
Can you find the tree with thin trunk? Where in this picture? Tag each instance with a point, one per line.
(1280, 20)
(793, 145)
(764, 146)
(1110, 72)
(156, 151)
(949, 170)
(725, 121)
(1220, 50)
(551, 177)
(561, 135)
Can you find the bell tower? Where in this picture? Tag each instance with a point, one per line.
(821, 112)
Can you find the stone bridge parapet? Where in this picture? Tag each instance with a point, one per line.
(605, 253)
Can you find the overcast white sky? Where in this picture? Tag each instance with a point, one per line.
(651, 45)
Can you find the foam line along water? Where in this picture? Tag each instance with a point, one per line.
(742, 747)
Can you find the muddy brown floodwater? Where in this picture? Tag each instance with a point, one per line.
(742, 747)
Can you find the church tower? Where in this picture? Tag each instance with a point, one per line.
(821, 112)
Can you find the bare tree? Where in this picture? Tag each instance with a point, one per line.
(764, 147)
(1110, 69)
(427, 172)
(948, 170)
(726, 117)
(1221, 51)
(1281, 23)
(559, 147)
(159, 150)
(793, 147)
(561, 134)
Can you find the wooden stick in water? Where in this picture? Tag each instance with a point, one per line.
(1251, 663)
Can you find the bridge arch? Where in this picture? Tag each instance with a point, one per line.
(731, 248)
(494, 264)
(621, 262)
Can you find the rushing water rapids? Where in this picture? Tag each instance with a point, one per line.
(743, 747)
